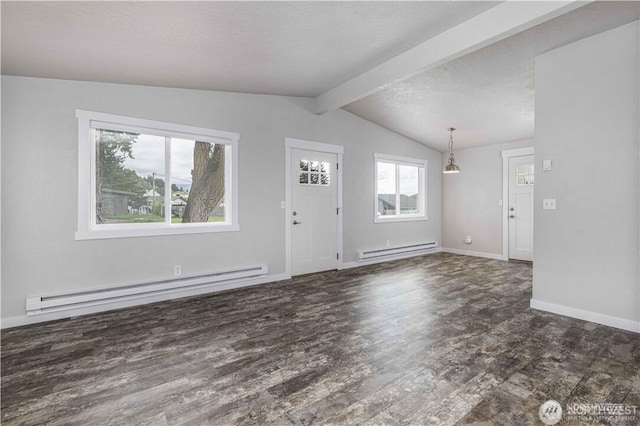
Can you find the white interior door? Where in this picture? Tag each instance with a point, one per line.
(521, 179)
(314, 214)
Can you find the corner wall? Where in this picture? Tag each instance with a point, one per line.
(39, 186)
(587, 123)
(470, 201)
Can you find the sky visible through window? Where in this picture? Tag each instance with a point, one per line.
(148, 153)
(387, 179)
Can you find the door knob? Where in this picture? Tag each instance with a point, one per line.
(511, 216)
(295, 222)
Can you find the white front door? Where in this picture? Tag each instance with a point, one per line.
(521, 179)
(314, 214)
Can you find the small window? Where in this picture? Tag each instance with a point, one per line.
(400, 188)
(524, 173)
(314, 173)
(141, 177)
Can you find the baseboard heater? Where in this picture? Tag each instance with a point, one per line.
(71, 300)
(392, 251)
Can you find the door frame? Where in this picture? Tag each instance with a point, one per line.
(506, 154)
(289, 144)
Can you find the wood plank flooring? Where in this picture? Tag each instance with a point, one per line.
(438, 339)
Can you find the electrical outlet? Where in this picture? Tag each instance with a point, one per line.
(177, 270)
(388, 243)
(549, 204)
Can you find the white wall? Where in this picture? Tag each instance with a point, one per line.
(470, 200)
(587, 116)
(39, 179)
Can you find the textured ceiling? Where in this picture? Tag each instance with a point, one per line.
(282, 48)
(487, 95)
(302, 49)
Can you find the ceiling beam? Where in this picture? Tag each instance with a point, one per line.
(497, 23)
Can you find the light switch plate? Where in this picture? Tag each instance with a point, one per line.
(546, 165)
(549, 204)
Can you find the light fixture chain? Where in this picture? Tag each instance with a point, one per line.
(451, 165)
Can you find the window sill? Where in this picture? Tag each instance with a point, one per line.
(390, 219)
(100, 234)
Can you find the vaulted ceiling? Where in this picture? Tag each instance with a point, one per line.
(413, 67)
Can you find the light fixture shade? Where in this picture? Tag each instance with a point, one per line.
(451, 168)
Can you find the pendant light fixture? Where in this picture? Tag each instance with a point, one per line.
(451, 166)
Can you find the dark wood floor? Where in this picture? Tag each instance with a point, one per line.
(439, 339)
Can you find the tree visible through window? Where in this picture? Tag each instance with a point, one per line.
(149, 178)
(131, 167)
(207, 184)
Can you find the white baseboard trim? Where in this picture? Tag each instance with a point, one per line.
(474, 253)
(20, 320)
(621, 323)
(357, 263)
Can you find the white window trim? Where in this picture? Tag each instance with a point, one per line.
(422, 182)
(89, 230)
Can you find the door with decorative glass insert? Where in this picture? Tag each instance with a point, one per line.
(521, 180)
(314, 211)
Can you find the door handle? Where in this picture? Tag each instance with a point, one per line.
(295, 222)
(512, 216)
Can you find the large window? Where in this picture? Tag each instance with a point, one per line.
(400, 188)
(141, 177)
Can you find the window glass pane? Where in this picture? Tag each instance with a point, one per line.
(129, 177)
(146, 182)
(386, 189)
(197, 181)
(409, 189)
(525, 174)
(181, 163)
(318, 175)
